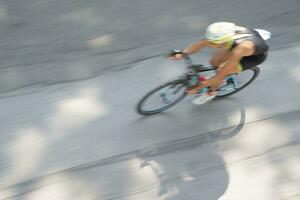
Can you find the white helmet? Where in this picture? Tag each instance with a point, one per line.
(220, 32)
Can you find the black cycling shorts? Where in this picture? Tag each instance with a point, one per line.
(248, 62)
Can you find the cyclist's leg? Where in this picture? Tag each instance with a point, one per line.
(220, 57)
(217, 80)
(246, 62)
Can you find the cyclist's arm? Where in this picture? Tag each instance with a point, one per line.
(193, 48)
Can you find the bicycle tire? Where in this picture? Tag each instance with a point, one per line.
(140, 109)
(255, 70)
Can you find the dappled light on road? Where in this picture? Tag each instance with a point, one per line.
(72, 112)
(256, 177)
(6, 193)
(62, 187)
(26, 154)
(295, 73)
(100, 41)
(3, 11)
(263, 157)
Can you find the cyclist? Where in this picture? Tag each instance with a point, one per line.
(240, 48)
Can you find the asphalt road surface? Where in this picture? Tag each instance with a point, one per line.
(72, 71)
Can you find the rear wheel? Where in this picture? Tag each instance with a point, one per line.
(237, 82)
(162, 98)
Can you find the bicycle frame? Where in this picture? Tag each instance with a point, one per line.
(194, 71)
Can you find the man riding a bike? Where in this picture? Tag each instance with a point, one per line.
(240, 48)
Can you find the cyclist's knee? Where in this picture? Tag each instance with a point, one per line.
(214, 62)
(217, 62)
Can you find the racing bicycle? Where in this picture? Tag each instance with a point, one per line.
(168, 94)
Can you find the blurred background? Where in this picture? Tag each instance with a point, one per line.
(71, 73)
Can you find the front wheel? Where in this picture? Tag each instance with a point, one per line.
(235, 83)
(162, 97)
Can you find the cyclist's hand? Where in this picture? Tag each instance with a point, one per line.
(177, 56)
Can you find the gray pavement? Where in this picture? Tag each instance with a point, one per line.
(71, 73)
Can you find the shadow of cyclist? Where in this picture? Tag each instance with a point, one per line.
(192, 167)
